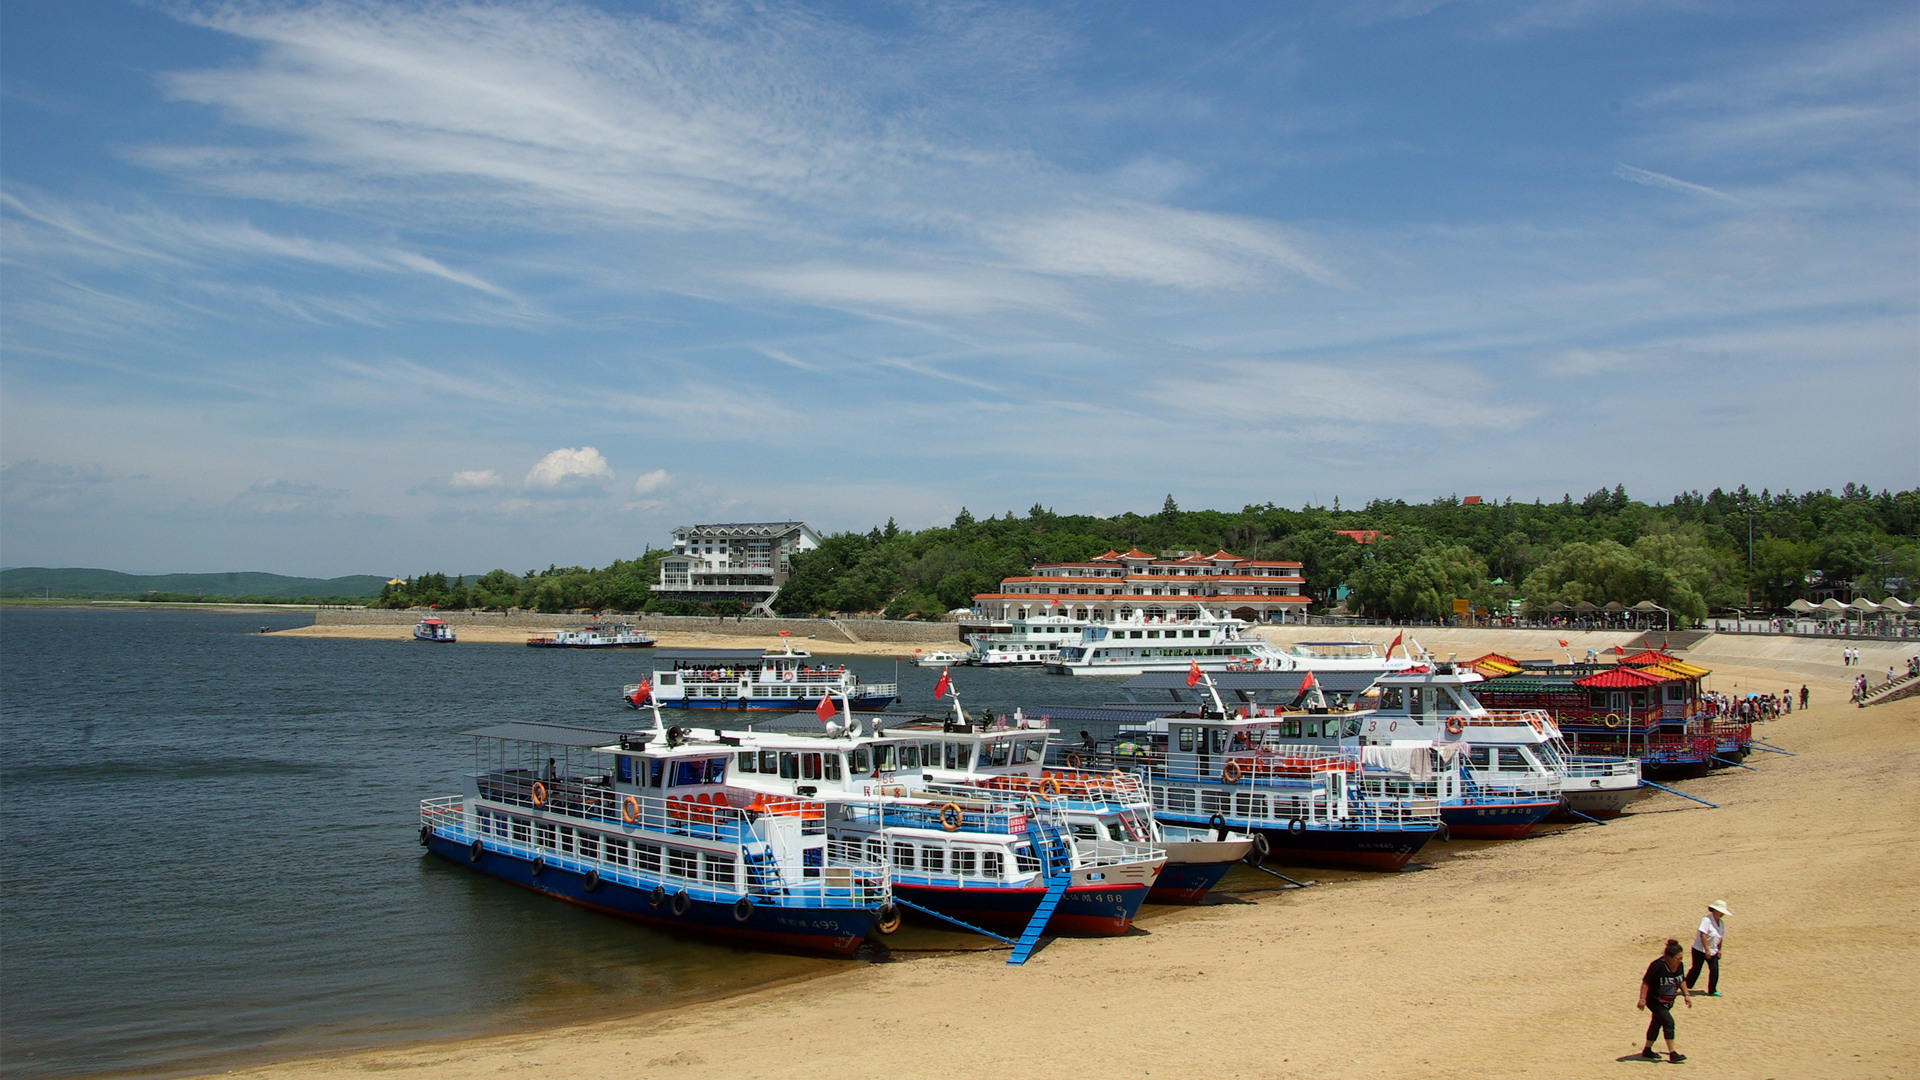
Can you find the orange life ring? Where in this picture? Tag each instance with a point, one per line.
(1230, 774)
(539, 793)
(1455, 725)
(630, 812)
(1050, 787)
(1073, 760)
(951, 817)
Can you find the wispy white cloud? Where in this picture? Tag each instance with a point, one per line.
(568, 466)
(475, 480)
(1660, 180)
(649, 482)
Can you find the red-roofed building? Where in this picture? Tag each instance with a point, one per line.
(1362, 537)
(1119, 586)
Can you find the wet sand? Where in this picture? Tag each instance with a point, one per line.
(1507, 960)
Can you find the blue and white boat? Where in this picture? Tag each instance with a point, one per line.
(648, 826)
(432, 629)
(751, 680)
(594, 635)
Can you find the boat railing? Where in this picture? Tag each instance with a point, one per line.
(1537, 719)
(595, 799)
(1067, 787)
(840, 879)
(1314, 803)
(965, 812)
(1593, 767)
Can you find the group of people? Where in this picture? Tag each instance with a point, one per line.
(1754, 707)
(1663, 983)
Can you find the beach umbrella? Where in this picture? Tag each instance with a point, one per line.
(1864, 606)
(1896, 605)
(1557, 606)
(1832, 605)
(1803, 606)
(1614, 606)
(1585, 605)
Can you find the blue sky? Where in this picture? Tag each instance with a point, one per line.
(330, 288)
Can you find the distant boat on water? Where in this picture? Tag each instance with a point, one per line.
(594, 636)
(432, 629)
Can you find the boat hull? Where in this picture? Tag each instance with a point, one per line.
(1495, 821)
(1095, 910)
(1600, 803)
(1314, 845)
(594, 645)
(834, 931)
(866, 702)
(1187, 882)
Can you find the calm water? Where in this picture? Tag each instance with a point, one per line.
(210, 853)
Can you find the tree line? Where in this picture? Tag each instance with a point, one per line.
(1690, 554)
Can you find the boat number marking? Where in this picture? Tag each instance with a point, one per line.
(1394, 726)
(1371, 725)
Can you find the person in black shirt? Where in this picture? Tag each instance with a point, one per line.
(1663, 982)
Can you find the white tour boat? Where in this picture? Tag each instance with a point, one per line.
(938, 658)
(1141, 644)
(1029, 642)
(432, 629)
(594, 636)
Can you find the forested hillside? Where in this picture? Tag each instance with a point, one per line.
(85, 583)
(1689, 554)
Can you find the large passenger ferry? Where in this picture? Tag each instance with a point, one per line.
(1029, 642)
(1142, 644)
(751, 680)
(648, 826)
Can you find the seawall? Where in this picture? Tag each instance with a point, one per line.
(825, 630)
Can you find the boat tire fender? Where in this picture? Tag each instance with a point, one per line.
(682, 902)
(424, 833)
(591, 882)
(1296, 826)
(743, 910)
(539, 865)
(1455, 725)
(657, 897)
(951, 817)
(1443, 834)
(887, 919)
(1219, 825)
(1261, 845)
(474, 851)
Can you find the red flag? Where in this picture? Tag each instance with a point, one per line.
(825, 710)
(1193, 673)
(640, 693)
(1308, 684)
(940, 688)
(1618, 651)
(1563, 642)
(1395, 645)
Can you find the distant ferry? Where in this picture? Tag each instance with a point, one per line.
(938, 658)
(431, 629)
(1031, 642)
(751, 680)
(1139, 645)
(594, 636)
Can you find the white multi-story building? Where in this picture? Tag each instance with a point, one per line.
(1118, 586)
(746, 562)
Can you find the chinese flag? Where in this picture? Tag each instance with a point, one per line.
(825, 710)
(940, 688)
(1563, 642)
(1618, 651)
(1193, 673)
(1308, 684)
(641, 692)
(1395, 645)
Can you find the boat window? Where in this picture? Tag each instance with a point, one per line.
(1477, 757)
(1180, 799)
(909, 755)
(992, 864)
(885, 758)
(1638, 697)
(689, 773)
(683, 863)
(933, 858)
(646, 857)
(810, 767)
(930, 754)
(656, 772)
(669, 678)
(1511, 758)
(1186, 739)
(789, 765)
(589, 845)
(1113, 831)
(717, 869)
(1023, 751)
(616, 850)
(1024, 861)
(522, 831)
(1597, 699)
(964, 862)
(1393, 699)
(862, 760)
(876, 851)
(566, 839)
(903, 856)
(1085, 831)
(1289, 729)
(833, 766)
(957, 755)
(749, 761)
(1219, 740)
(623, 767)
(769, 762)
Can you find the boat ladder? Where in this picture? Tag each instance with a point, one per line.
(1056, 860)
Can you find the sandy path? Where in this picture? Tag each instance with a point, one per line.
(1517, 959)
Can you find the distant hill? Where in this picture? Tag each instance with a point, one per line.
(80, 583)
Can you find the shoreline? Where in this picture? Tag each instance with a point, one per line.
(667, 639)
(1508, 959)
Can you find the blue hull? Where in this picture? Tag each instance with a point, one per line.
(1101, 910)
(1317, 845)
(1495, 821)
(836, 931)
(1186, 883)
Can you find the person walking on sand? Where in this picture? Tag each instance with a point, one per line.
(1803, 697)
(1706, 947)
(1658, 987)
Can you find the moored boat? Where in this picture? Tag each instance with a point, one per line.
(751, 680)
(648, 827)
(594, 635)
(432, 629)
(1141, 644)
(938, 658)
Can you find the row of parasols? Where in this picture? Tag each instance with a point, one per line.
(1862, 608)
(1586, 606)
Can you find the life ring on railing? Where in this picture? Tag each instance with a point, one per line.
(743, 910)
(887, 919)
(630, 811)
(591, 881)
(1230, 773)
(539, 793)
(1455, 725)
(1073, 760)
(1049, 787)
(951, 817)
(1611, 720)
(682, 903)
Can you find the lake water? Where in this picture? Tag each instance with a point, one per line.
(210, 852)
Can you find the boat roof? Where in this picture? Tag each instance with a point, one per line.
(1118, 713)
(552, 734)
(718, 656)
(1333, 682)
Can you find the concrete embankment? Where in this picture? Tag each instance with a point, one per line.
(877, 637)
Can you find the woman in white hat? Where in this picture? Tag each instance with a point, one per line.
(1706, 947)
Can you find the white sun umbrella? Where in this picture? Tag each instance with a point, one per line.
(1896, 605)
(1803, 606)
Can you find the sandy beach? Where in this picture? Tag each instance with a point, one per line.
(1508, 959)
(482, 634)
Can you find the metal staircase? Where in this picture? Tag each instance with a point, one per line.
(1056, 868)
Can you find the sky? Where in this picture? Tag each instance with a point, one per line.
(329, 287)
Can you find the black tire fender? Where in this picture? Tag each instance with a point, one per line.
(682, 902)
(591, 881)
(743, 910)
(1296, 826)
(474, 851)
